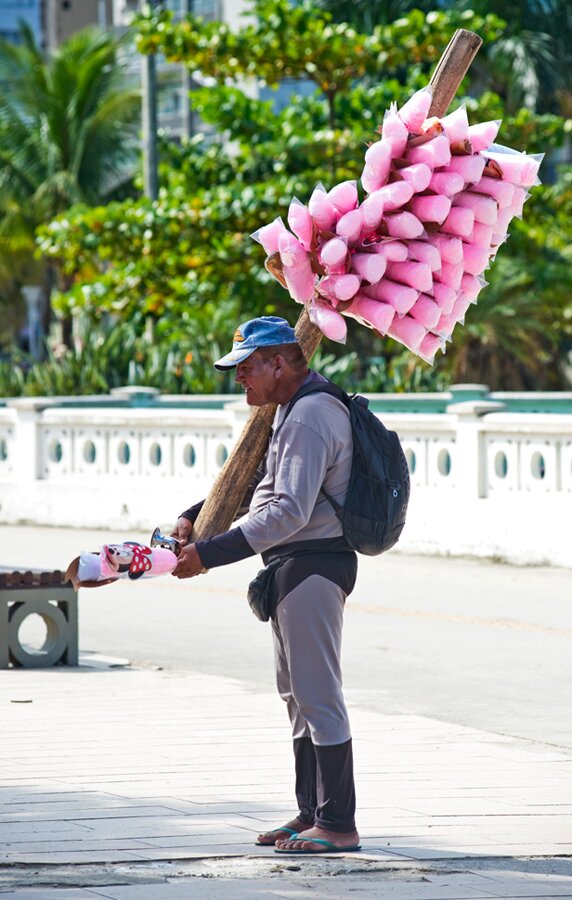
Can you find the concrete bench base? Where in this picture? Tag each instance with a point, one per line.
(57, 606)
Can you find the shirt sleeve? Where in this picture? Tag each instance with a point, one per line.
(223, 549)
(192, 512)
(302, 458)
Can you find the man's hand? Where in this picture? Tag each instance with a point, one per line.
(189, 563)
(182, 531)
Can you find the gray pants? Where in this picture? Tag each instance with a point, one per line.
(307, 629)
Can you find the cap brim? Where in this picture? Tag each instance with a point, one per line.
(233, 358)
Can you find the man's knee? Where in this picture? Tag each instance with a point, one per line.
(328, 722)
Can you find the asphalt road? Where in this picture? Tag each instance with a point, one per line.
(464, 641)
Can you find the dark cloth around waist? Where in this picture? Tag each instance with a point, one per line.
(293, 563)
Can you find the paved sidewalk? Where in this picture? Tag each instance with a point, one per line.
(134, 783)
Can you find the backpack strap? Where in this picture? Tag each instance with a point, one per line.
(327, 387)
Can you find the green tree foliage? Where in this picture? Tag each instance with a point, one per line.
(186, 262)
(116, 354)
(299, 41)
(530, 63)
(365, 15)
(67, 135)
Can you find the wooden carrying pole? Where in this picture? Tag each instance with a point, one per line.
(224, 499)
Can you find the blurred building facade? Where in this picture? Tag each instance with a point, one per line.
(52, 21)
(174, 82)
(64, 17)
(12, 12)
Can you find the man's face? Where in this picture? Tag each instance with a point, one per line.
(257, 377)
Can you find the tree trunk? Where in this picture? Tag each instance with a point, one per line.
(226, 494)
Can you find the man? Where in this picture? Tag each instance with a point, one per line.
(292, 523)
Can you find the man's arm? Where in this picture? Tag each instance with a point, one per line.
(302, 459)
(184, 525)
(221, 550)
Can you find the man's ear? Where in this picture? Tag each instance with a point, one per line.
(279, 364)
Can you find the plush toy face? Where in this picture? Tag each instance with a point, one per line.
(130, 557)
(119, 556)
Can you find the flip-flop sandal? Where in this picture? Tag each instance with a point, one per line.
(327, 845)
(289, 831)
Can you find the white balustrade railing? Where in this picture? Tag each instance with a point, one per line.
(132, 444)
(485, 482)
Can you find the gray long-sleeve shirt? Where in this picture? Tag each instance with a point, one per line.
(311, 448)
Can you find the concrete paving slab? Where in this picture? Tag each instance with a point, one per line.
(453, 887)
(453, 851)
(47, 894)
(62, 830)
(223, 778)
(88, 846)
(529, 885)
(125, 766)
(77, 813)
(60, 857)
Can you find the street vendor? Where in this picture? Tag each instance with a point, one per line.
(293, 526)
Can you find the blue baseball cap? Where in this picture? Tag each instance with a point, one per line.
(266, 331)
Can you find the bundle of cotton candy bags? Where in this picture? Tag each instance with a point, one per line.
(409, 259)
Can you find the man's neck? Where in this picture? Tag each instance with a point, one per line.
(288, 390)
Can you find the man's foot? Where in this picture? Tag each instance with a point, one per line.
(269, 838)
(319, 840)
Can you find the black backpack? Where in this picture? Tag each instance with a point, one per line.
(373, 515)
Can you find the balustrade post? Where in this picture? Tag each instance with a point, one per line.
(470, 456)
(238, 413)
(26, 460)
